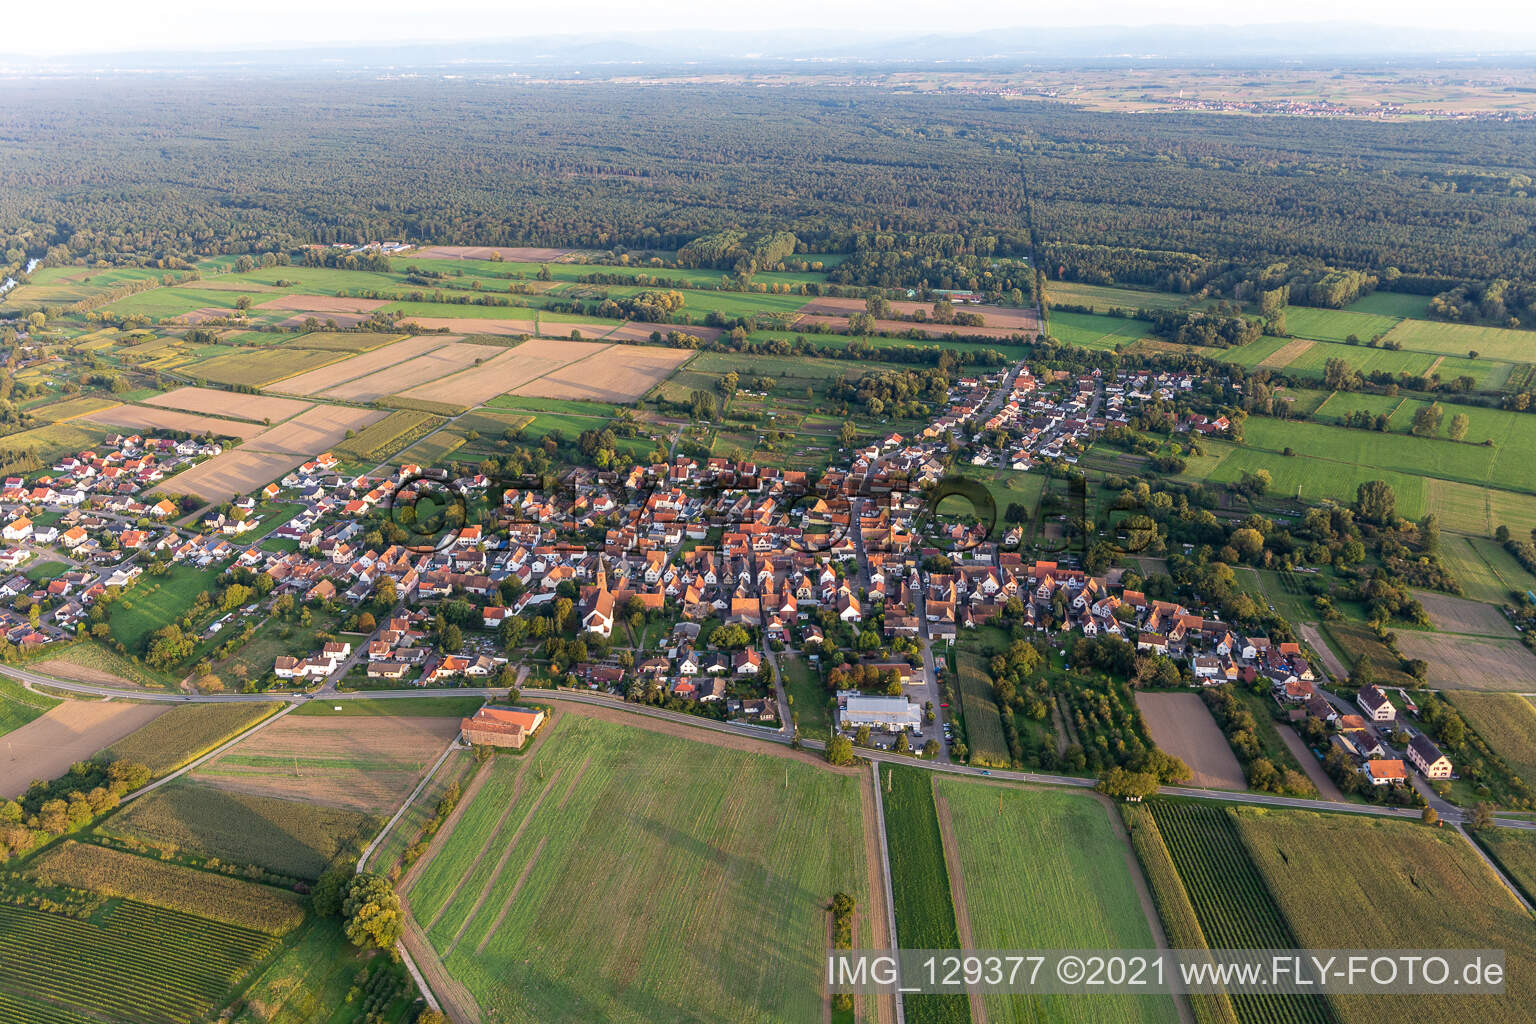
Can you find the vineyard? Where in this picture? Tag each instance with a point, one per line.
(1231, 901)
(382, 439)
(925, 914)
(170, 886)
(134, 964)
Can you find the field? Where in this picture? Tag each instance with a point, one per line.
(1105, 297)
(803, 684)
(437, 361)
(643, 899)
(1233, 905)
(232, 473)
(125, 875)
(18, 705)
(1045, 870)
(213, 402)
(287, 837)
(63, 285)
(73, 731)
(382, 439)
(334, 762)
(329, 376)
(153, 601)
(56, 412)
(1391, 878)
(1471, 662)
(1354, 641)
(1181, 725)
(1460, 615)
(1459, 339)
(1507, 723)
(186, 732)
(925, 909)
(260, 367)
(1090, 330)
(314, 431)
(620, 375)
(146, 418)
(1515, 852)
(1395, 304)
(320, 979)
(1335, 324)
(983, 723)
(503, 371)
(1482, 575)
(131, 964)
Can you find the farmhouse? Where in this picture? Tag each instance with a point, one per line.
(1426, 757)
(1375, 705)
(501, 727)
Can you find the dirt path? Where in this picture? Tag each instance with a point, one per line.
(884, 1008)
(957, 896)
(1314, 638)
(1144, 894)
(457, 1001)
(1309, 764)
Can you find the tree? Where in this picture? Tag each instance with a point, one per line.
(840, 750)
(329, 892)
(1482, 816)
(1376, 501)
(1126, 785)
(1458, 427)
(931, 749)
(435, 1016)
(902, 744)
(1426, 422)
(1430, 816)
(371, 911)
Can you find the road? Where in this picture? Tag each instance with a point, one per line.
(1455, 817)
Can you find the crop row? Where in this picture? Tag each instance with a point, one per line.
(389, 435)
(1231, 901)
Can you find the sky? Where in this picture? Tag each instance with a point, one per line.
(94, 26)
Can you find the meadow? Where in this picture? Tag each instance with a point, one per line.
(260, 367)
(925, 909)
(1105, 297)
(129, 964)
(287, 837)
(1484, 569)
(155, 601)
(1506, 722)
(1335, 324)
(1092, 330)
(1045, 869)
(1459, 339)
(718, 863)
(380, 440)
(18, 705)
(321, 978)
(1387, 877)
(1393, 304)
(810, 698)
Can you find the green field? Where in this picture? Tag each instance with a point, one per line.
(1335, 324)
(18, 705)
(1234, 907)
(1393, 304)
(1459, 339)
(127, 964)
(803, 686)
(289, 838)
(1104, 297)
(925, 911)
(386, 707)
(185, 733)
(153, 602)
(646, 900)
(1305, 477)
(1515, 851)
(323, 979)
(1092, 330)
(1386, 877)
(67, 285)
(1484, 569)
(1045, 870)
(261, 366)
(1506, 722)
(162, 303)
(380, 440)
(983, 723)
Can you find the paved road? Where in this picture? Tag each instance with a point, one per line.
(757, 733)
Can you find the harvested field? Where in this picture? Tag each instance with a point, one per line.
(1181, 724)
(229, 403)
(1009, 317)
(429, 366)
(1283, 355)
(545, 328)
(362, 365)
(622, 374)
(643, 332)
(237, 472)
(1472, 662)
(314, 431)
(510, 253)
(331, 761)
(506, 371)
(322, 304)
(140, 417)
(1458, 615)
(839, 324)
(73, 731)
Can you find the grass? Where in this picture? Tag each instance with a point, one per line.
(1391, 878)
(385, 707)
(1394, 304)
(1515, 852)
(983, 723)
(1354, 641)
(591, 830)
(129, 964)
(382, 439)
(1104, 297)
(1335, 324)
(1480, 577)
(1232, 903)
(158, 883)
(156, 601)
(803, 686)
(1092, 330)
(319, 978)
(1459, 339)
(70, 284)
(290, 838)
(18, 705)
(1045, 870)
(185, 733)
(925, 912)
(41, 572)
(1506, 722)
(56, 439)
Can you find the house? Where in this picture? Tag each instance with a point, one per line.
(1426, 757)
(1375, 705)
(1385, 772)
(501, 727)
(19, 529)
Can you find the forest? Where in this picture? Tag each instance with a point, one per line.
(179, 167)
